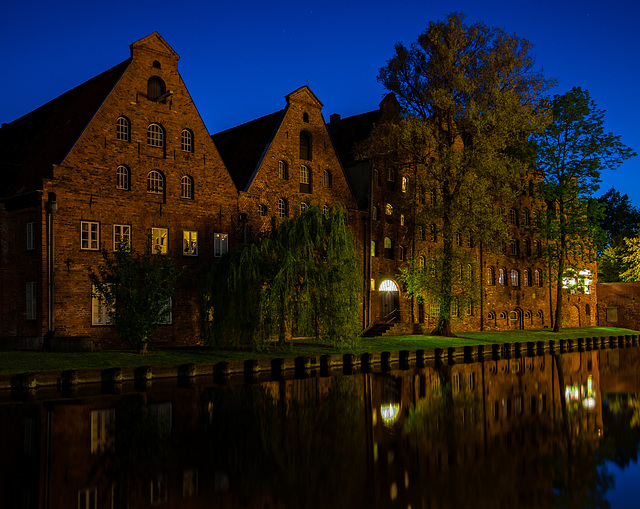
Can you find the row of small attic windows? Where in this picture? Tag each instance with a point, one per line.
(155, 182)
(155, 135)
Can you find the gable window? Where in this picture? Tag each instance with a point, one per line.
(186, 140)
(122, 177)
(155, 182)
(282, 170)
(187, 187)
(31, 236)
(282, 208)
(159, 240)
(121, 235)
(123, 131)
(305, 145)
(155, 135)
(326, 179)
(89, 235)
(220, 244)
(156, 89)
(305, 179)
(100, 308)
(262, 209)
(305, 117)
(31, 301)
(190, 243)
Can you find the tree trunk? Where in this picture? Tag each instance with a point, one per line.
(443, 327)
(561, 257)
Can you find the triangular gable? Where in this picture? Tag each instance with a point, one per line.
(155, 44)
(304, 94)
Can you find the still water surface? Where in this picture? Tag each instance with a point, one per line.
(533, 432)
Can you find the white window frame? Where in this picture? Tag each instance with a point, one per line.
(155, 182)
(186, 187)
(121, 233)
(220, 244)
(102, 429)
(160, 240)
(155, 135)
(31, 236)
(89, 235)
(122, 177)
(189, 243)
(282, 208)
(186, 140)
(304, 174)
(282, 170)
(31, 300)
(100, 308)
(327, 179)
(123, 131)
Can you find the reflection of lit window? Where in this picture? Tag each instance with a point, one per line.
(389, 413)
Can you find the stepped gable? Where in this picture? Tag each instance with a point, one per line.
(32, 144)
(242, 147)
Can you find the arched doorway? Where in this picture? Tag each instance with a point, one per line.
(389, 301)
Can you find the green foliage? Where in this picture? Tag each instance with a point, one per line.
(571, 154)
(140, 286)
(302, 279)
(471, 97)
(632, 260)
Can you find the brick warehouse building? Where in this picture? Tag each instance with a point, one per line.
(126, 155)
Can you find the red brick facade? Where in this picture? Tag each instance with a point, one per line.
(127, 152)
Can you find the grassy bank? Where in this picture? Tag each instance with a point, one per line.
(24, 362)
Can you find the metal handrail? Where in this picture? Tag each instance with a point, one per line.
(386, 318)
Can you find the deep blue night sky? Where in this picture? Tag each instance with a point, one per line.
(239, 59)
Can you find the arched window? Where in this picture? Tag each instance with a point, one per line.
(187, 187)
(524, 217)
(491, 276)
(527, 277)
(467, 240)
(515, 278)
(305, 179)
(536, 246)
(458, 239)
(155, 135)
(433, 233)
(305, 117)
(156, 89)
(282, 208)
(513, 217)
(186, 140)
(526, 247)
(401, 254)
(388, 209)
(262, 209)
(374, 213)
(537, 277)
(282, 170)
(155, 182)
(513, 248)
(303, 206)
(122, 177)
(404, 185)
(502, 277)
(421, 261)
(455, 307)
(123, 129)
(305, 145)
(401, 219)
(327, 180)
(388, 248)
(469, 272)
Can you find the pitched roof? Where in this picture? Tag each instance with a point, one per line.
(32, 144)
(242, 147)
(349, 131)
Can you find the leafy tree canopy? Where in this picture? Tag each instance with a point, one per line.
(471, 96)
(137, 290)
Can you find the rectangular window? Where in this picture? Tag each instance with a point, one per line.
(121, 235)
(220, 244)
(167, 318)
(32, 307)
(88, 498)
(100, 308)
(159, 237)
(189, 243)
(31, 236)
(102, 429)
(89, 235)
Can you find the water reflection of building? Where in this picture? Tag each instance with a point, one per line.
(481, 434)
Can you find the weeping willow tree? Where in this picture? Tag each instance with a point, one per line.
(303, 278)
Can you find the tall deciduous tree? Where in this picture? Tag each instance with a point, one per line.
(471, 96)
(571, 154)
(303, 277)
(136, 289)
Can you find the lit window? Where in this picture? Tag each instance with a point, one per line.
(401, 219)
(421, 261)
(187, 187)
(122, 177)
(155, 182)
(190, 243)
(282, 208)
(537, 277)
(121, 235)
(388, 209)
(527, 277)
(101, 309)
(220, 244)
(405, 184)
(89, 235)
(159, 239)
(304, 174)
(515, 278)
(373, 248)
(159, 489)
(282, 170)
(31, 301)
(102, 431)
(305, 146)
(123, 129)
(31, 236)
(186, 141)
(155, 136)
(327, 179)
(491, 276)
(502, 277)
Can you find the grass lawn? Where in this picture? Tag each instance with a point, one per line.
(24, 362)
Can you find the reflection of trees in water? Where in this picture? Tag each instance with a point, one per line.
(305, 453)
(621, 415)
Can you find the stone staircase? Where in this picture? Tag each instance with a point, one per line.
(379, 329)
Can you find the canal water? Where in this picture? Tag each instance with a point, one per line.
(535, 432)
